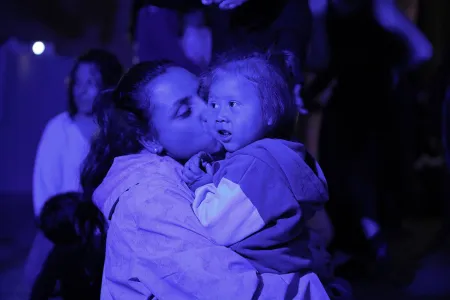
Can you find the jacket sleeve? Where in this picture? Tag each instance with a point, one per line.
(175, 259)
(241, 200)
(226, 212)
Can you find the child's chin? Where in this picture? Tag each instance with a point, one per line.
(231, 147)
(216, 147)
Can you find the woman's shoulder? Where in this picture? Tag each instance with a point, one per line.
(145, 177)
(162, 177)
(161, 183)
(61, 118)
(154, 191)
(55, 129)
(59, 122)
(147, 168)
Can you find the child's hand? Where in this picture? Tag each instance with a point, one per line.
(322, 264)
(198, 170)
(192, 170)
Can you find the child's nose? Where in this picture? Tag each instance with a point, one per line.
(222, 116)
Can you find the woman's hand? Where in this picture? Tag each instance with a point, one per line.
(225, 4)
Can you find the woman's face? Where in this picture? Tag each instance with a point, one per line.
(86, 87)
(178, 115)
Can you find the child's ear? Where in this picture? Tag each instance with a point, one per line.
(270, 122)
(152, 146)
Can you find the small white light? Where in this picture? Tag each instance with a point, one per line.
(38, 48)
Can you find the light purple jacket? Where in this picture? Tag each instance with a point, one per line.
(156, 247)
(259, 202)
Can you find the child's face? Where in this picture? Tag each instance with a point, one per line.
(235, 109)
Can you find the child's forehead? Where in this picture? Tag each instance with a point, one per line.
(229, 86)
(231, 80)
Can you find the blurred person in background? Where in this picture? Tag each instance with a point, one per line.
(365, 45)
(171, 31)
(282, 26)
(65, 142)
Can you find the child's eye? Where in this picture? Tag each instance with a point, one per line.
(233, 103)
(213, 105)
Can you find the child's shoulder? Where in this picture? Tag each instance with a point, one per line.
(273, 153)
(263, 152)
(266, 148)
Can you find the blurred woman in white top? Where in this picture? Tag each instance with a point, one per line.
(65, 143)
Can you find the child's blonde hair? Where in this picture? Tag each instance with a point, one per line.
(277, 102)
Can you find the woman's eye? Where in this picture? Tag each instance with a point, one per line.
(184, 112)
(233, 103)
(213, 105)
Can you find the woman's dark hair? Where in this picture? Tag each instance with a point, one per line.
(67, 220)
(108, 65)
(57, 218)
(124, 121)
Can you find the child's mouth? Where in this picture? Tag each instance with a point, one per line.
(224, 132)
(224, 135)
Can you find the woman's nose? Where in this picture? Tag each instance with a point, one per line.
(80, 89)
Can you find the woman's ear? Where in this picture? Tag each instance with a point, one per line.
(152, 146)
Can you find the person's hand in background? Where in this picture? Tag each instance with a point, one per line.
(299, 100)
(386, 13)
(389, 16)
(196, 40)
(225, 4)
(318, 8)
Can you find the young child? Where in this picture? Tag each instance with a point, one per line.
(258, 199)
(76, 260)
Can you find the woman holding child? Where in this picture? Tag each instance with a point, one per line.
(151, 124)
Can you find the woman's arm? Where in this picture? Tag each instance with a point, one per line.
(47, 172)
(175, 259)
